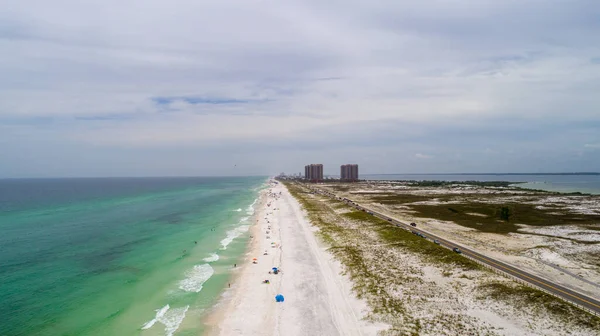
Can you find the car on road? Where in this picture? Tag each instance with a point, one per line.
(457, 250)
(389, 219)
(437, 242)
(413, 224)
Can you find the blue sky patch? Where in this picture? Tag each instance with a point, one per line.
(200, 100)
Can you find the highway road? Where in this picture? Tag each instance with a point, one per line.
(547, 285)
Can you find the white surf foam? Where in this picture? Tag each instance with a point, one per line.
(238, 210)
(250, 209)
(232, 234)
(159, 314)
(170, 318)
(212, 258)
(196, 277)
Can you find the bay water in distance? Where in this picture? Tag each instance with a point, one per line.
(118, 256)
(588, 183)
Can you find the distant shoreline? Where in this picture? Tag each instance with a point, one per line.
(490, 174)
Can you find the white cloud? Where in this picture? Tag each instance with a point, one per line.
(89, 73)
(423, 156)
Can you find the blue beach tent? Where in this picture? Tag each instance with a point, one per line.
(279, 298)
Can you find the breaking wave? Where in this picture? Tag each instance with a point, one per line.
(212, 258)
(232, 234)
(170, 318)
(250, 209)
(196, 277)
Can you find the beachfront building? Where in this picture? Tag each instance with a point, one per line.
(313, 172)
(349, 172)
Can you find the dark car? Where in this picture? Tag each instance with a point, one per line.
(413, 224)
(389, 219)
(457, 250)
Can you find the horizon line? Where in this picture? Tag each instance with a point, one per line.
(273, 175)
(554, 173)
(123, 177)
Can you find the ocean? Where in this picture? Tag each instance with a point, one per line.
(118, 256)
(584, 183)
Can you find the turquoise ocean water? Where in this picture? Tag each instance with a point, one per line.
(123, 256)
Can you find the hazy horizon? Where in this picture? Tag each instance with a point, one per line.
(206, 88)
(292, 173)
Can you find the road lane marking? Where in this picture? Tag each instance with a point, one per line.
(535, 280)
(485, 259)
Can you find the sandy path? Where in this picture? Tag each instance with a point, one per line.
(318, 300)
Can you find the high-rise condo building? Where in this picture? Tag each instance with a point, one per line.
(349, 172)
(313, 172)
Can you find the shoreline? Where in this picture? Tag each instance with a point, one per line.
(318, 298)
(210, 320)
(418, 287)
(554, 188)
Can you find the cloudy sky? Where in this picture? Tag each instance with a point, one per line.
(224, 87)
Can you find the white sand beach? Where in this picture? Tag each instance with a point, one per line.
(318, 298)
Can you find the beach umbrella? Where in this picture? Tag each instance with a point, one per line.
(279, 298)
(274, 269)
(253, 258)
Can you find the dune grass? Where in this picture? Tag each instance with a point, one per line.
(372, 282)
(530, 298)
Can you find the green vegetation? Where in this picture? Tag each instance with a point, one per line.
(362, 216)
(504, 213)
(409, 196)
(499, 218)
(398, 237)
(369, 262)
(501, 184)
(315, 212)
(431, 252)
(398, 198)
(368, 283)
(484, 211)
(340, 188)
(338, 205)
